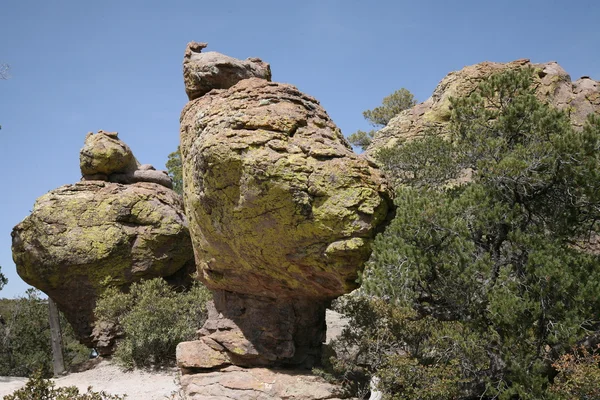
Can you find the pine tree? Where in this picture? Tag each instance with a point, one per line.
(490, 248)
(175, 172)
(392, 105)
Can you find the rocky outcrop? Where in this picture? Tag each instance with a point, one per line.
(105, 157)
(82, 236)
(203, 72)
(282, 217)
(554, 85)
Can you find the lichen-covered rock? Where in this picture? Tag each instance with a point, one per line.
(104, 154)
(279, 205)
(203, 72)
(554, 85)
(84, 235)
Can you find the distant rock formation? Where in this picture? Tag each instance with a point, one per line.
(554, 85)
(282, 217)
(93, 232)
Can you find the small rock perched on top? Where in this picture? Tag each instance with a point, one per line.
(203, 72)
(105, 157)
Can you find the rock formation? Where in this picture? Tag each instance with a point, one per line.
(554, 85)
(105, 157)
(203, 72)
(282, 216)
(93, 232)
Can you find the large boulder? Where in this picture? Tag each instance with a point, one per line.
(554, 85)
(82, 236)
(282, 217)
(279, 205)
(203, 72)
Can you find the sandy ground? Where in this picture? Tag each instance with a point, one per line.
(137, 385)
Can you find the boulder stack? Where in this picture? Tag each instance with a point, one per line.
(82, 236)
(282, 216)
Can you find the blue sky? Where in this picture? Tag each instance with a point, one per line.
(80, 66)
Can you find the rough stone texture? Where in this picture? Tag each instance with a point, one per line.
(200, 354)
(579, 98)
(279, 205)
(282, 216)
(203, 72)
(257, 384)
(82, 234)
(251, 331)
(105, 157)
(104, 154)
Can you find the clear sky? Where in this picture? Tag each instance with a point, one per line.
(80, 66)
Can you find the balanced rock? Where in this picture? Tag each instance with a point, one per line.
(282, 217)
(203, 72)
(105, 157)
(553, 84)
(82, 236)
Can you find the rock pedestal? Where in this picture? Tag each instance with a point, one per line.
(257, 331)
(82, 236)
(282, 216)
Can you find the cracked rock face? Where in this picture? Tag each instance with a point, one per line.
(279, 205)
(80, 235)
(578, 98)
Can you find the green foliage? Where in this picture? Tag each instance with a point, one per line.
(391, 106)
(25, 345)
(429, 161)
(491, 272)
(154, 318)
(38, 388)
(175, 172)
(3, 280)
(361, 139)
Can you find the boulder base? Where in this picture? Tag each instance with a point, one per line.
(234, 383)
(256, 331)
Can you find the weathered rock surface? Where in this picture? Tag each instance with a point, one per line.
(105, 157)
(279, 205)
(282, 217)
(579, 98)
(80, 235)
(203, 72)
(257, 384)
(248, 330)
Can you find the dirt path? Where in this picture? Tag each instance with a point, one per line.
(137, 385)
